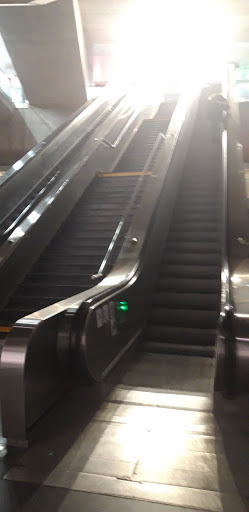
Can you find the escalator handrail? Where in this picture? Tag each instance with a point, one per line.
(121, 134)
(33, 152)
(128, 208)
(6, 233)
(43, 193)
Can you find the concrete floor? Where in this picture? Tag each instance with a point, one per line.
(147, 447)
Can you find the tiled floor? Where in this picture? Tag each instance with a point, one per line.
(143, 443)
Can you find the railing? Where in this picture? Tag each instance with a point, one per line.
(42, 145)
(47, 181)
(226, 357)
(121, 134)
(128, 209)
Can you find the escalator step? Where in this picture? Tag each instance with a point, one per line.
(179, 349)
(77, 253)
(193, 236)
(185, 201)
(197, 226)
(58, 279)
(77, 250)
(174, 284)
(179, 218)
(192, 209)
(33, 303)
(50, 290)
(198, 319)
(81, 239)
(190, 271)
(182, 335)
(193, 247)
(68, 268)
(192, 259)
(206, 301)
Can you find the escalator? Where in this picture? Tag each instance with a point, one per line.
(186, 299)
(155, 438)
(76, 252)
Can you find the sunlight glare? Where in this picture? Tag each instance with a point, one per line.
(165, 41)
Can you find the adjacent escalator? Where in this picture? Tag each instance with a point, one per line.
(75, 253)
(186, 299)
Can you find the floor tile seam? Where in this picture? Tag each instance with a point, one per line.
(218, 494)
(124, 497)
(139, 404)
(188, 452)
(109, 477)
(151, 406)
(188, 432)
(159, 391)
(201, 472)
(191, 471)
(181, 485)
(116, 422)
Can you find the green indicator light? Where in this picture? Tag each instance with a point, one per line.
(122, 306)
(51, 453)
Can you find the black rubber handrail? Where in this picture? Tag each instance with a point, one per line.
(45, 184)
(33, 152)
(121, 134)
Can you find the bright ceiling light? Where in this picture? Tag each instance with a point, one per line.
(174, 40)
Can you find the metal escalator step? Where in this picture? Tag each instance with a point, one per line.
(178, 284)
(193, 247)
(178, 349)
(192, 209)
(106, 214)
(198, 192)
(71, 260)
(182, 335)
(81, 243)
(83, 238)
(108, 197)
(56, 279)
(90, 229)
(195, 227)
(198, 319)
(190, 271)
(186, 200)
(66, 268)
(211, 217)
(194, 187)
(202, 301)
(193, 236)
(83, 248)
(49, 290)
(192, 258)
(105, 206)
(33, 303)
(83, 251)
(200, 181)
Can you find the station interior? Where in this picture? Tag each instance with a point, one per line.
(124, 256)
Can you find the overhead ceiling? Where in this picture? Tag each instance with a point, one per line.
(102, 20)
(101, 23)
